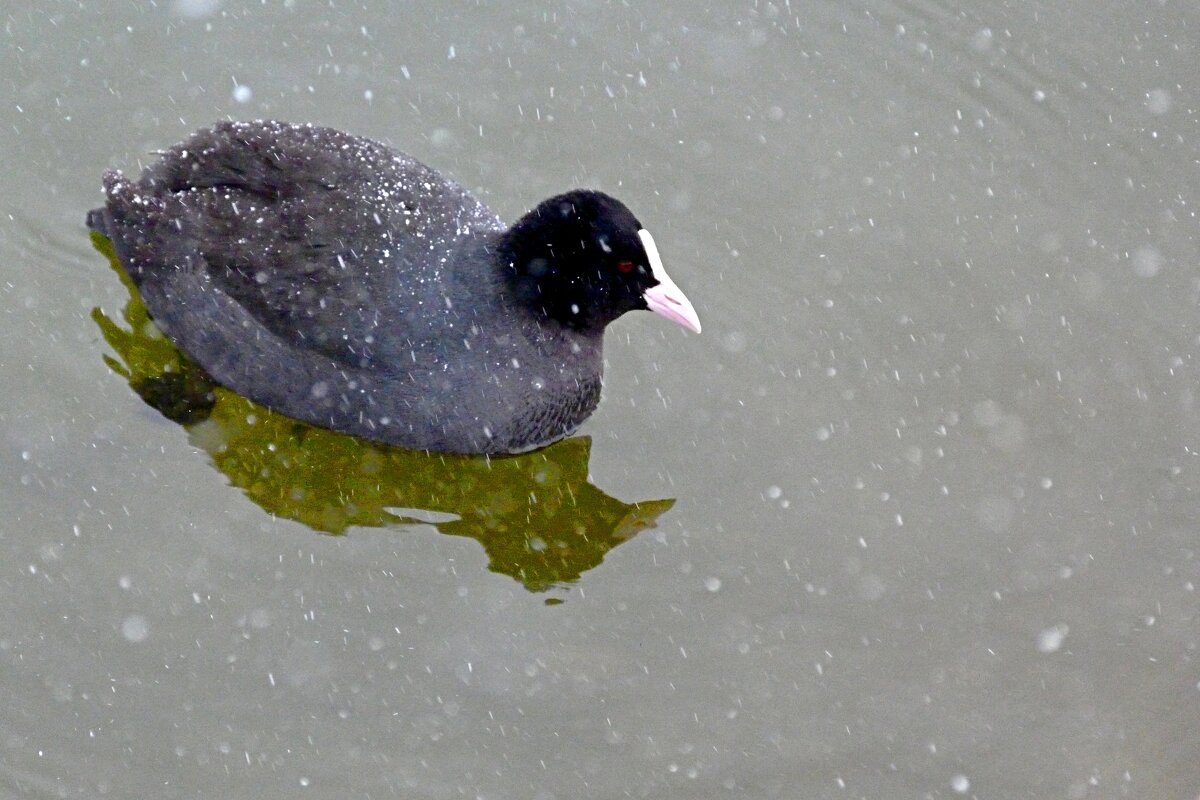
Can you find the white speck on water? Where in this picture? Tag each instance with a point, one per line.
(1158, 101)
(1078, 790)
(871, 587)
(823, 434)
(982, 40)
(135, 628)
(404, 72)
(305, 782)
(987, 413)
(960, 783)
(1147, 261)
(319, 390)
(125, 582)
(713, 584)
(368, 95)
(1038, 96)
(1051, 639)
(242, 93)
(451, 54)
(774, 492)
(734, 342)
(1050, 242)
(995, 513)
(1047, 483)
(196, 9)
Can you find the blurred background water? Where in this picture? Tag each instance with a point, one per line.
(933, 461)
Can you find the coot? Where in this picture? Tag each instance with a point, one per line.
(343, 283)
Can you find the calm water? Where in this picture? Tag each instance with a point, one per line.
(917, 516)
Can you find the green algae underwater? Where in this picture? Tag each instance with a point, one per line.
(538, 518)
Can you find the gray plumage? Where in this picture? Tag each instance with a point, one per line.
(343, 283)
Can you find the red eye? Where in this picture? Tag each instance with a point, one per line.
(625, 266)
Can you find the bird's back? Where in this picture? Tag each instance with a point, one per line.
(343, 283)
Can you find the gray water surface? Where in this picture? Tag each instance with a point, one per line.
(933, 461)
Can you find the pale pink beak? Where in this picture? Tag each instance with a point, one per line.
(666, 298)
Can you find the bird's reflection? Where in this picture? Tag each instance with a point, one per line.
(536, 515)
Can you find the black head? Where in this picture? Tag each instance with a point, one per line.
(583, 259)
